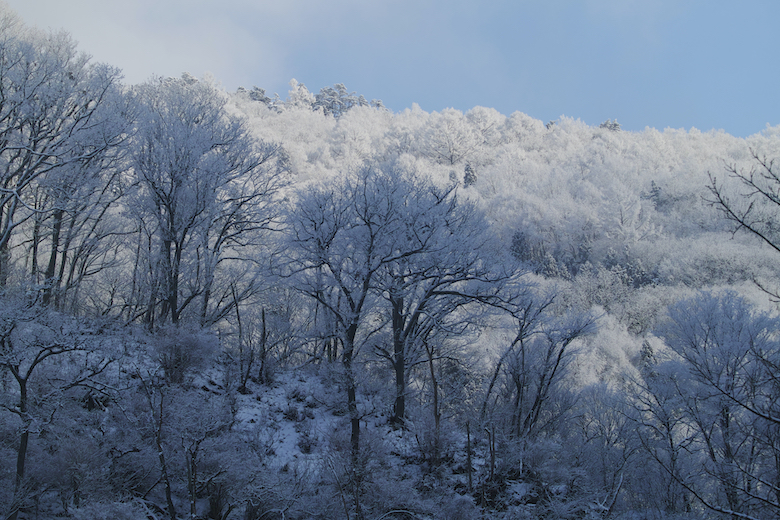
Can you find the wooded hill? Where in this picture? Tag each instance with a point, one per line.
(231, 305)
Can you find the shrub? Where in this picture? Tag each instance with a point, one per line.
(181, 353)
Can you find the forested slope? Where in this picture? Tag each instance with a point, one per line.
(231, 305)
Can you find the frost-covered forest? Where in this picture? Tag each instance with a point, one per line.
(238, 305)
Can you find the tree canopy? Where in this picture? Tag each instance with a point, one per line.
(313, 307)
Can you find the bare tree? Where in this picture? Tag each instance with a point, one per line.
(53, 118)
(31, 341)
(205, 192)
(454, 266)
(341, 240)
(77, 213)
(753, 204)
(663, 432)
(730, 401)
(536, 361)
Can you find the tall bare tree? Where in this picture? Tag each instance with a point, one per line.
(453, 266)
(342, 238)
(203, 187)
(46, 355)
(53, 118)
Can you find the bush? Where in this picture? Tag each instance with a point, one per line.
(181, 353)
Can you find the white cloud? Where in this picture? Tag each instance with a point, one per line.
(166, 38)
(241, 42)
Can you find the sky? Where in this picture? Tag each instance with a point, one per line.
(705, 64)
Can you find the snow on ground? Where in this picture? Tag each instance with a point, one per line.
(299, 419)
(295, 418)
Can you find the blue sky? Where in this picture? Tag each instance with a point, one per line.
(659, 63)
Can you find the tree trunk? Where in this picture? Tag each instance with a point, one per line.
(173, 289)
(469, 467)
(163, 464)
(435, 406)
(6, 227)
(264, 371)
(52, 265)
(354, 418)
(244, 362)
(208, 284)
(192, 478)
(36, 240)
(72, 281)
(5, 263)
(399, 361)
(24, 439)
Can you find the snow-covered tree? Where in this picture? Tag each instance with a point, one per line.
(337, 100)
(203, 188)
(752, 200)
(379, 232)
(448, 137)
(454, 264)
(44, 356)
(299, 96)
(730, 402)
(53, 119)
(341, 237)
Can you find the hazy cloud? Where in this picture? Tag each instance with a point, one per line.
(660, 63)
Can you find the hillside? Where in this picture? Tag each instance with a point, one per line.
(227, 305)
